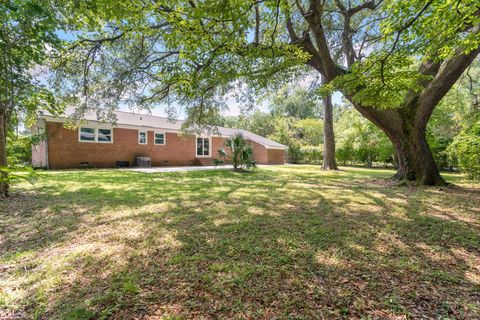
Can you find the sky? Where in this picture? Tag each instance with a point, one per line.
(234, 108)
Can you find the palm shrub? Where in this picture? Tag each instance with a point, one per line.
(241, 152)
(222, 158)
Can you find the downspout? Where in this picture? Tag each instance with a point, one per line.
(47, 162)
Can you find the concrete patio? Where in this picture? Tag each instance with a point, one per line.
(176, 169)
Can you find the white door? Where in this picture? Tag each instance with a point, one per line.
(203, 147)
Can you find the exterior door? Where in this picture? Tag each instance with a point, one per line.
(203, 147)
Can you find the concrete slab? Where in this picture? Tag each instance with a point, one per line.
(177, 169)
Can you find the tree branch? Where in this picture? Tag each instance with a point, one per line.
(446, 77)
(257, 24)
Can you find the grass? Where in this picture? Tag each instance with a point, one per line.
(286, 242)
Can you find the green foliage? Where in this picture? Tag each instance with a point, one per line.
(241, 152)
(222, 157)
(466, 148)
(295, 103)
(372, 84)
(283, 131)
(218, 162)
(27, 37)
(16, 173)
(309, 131)
(258, 122)
(160, 52)
(19, 149)
(449, 129)
(345, 153)
(360, 141)
(294, 153)
(196, 53)
(436, 32)
(408, 28)
(312, 154)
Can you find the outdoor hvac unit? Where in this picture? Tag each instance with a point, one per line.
(143, 162)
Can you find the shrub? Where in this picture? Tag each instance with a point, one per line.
(19, 150)
(345, 154)
(241, 152)
(294, 154)
(466, 149)
(218, 162)
(311, 154)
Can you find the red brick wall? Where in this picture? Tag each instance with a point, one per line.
(259, 153)
(262, 155)
(65, 151)
(276, 156)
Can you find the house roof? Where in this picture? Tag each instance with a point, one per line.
(124, 118)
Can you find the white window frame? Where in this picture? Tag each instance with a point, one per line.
(111, 135)
(209, 147)
(146, 137)
(155, 138)
(95, 134)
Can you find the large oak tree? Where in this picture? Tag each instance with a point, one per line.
(394, 60)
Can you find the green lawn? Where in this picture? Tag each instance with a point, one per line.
(286, 242)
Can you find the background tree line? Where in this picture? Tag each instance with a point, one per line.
(295, 117)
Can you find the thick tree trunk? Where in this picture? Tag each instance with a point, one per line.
(4, 187)
(407, 132)
(329, 162)
(415, 160)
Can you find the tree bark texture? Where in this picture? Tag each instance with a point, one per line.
(4, 186)
(329, 162)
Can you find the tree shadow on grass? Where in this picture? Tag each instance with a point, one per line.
(222, 245)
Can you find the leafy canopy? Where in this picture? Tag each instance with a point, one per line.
(194, 53)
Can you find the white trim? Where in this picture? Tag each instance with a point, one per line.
(146, 137)
(95, 134)
(155, 138)
(103, 128)
(275, 148)
(209, 146)
(80, 134)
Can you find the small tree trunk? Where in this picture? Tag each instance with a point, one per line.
(329, 162)
(369, 161)
(4, 187)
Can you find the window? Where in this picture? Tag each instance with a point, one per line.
(159, 138)
(89, 134)
(104, 135)
(142, 137)
(203, 147)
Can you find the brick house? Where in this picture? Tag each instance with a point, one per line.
(95, 143)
